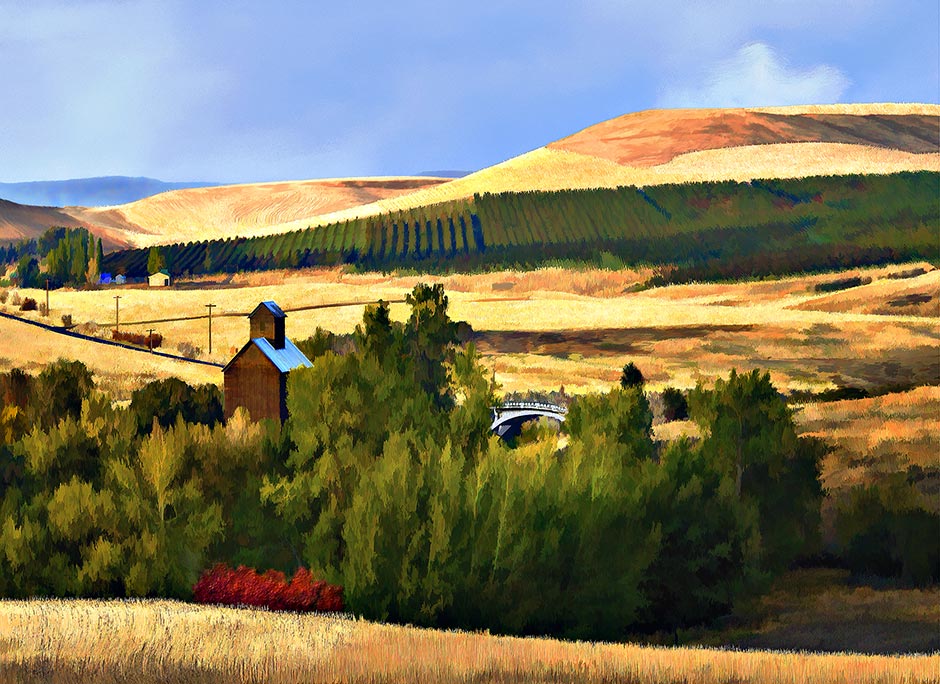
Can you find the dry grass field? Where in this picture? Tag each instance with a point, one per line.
(159, 641)
(878, 436)
(656, 136)
(117, 371)
(552, 327)
(241, 210)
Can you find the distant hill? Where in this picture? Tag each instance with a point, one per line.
(644, 149)
(89, 192)
(656, 147)
(210, 211)
(18, 222)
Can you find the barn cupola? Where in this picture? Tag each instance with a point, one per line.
(267, 321)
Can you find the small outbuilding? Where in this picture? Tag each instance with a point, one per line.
(120, 279)
(256, 377)
(159, 279)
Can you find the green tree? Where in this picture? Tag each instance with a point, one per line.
(60, 389)
(167, 525)
(164, 401)
(622, 417)
(750, 434)
(631, 376)
(155, 260)
(709, 556)
(27, 272)
(887, 529)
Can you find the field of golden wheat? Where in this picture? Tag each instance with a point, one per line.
(543, 329)
(151, 641)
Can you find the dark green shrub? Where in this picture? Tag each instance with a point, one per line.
(165, 400)
(631, 376)
(886, 530)
(675, 405)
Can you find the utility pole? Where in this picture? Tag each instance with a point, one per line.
(150, 339)
(117, 313)
(210, 307)
(47, 297)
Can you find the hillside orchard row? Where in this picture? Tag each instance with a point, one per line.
(714, 229)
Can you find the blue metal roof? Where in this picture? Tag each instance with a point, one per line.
(271, 306)
(285, 359)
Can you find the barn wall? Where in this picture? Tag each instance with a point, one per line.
(252, 381)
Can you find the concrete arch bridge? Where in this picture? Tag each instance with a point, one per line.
(509, 417)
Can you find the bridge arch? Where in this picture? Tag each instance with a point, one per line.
(509, 417)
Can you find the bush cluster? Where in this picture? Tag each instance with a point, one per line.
(386, 481)
(222, 585)
(150, 340)
(887, 529)
(29, 304)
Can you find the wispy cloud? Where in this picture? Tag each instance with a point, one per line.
(758, 76)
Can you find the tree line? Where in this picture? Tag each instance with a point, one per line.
(385, 480)
(63, 256)
(698, 230)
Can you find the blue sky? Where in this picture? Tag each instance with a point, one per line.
(249, 91)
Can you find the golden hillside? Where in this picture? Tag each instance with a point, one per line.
(687, 145)
(206, 213)
(22, 221)
(644, 148)
(242, 210)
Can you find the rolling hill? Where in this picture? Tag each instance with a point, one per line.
(208, 212)
(89, 192)
(23, 222)
(648, 148)
(655, 147)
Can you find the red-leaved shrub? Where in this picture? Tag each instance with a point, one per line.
(245, 587)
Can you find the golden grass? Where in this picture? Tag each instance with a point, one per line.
(885, 296)
(117, 371)
(873, 437)
(788, 160)
(653, 137)
(241, 210)
(868, 109)
(678, 335)
(70, 641)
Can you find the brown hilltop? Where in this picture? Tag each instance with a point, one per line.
(654, 137)
(23, 222)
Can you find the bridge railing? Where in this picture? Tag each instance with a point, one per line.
(530, 405)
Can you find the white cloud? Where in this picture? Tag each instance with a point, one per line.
(758, 76)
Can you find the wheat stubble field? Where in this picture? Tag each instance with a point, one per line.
(160, 641)
(536, 330)
(541, 329)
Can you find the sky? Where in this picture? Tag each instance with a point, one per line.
(253, 91)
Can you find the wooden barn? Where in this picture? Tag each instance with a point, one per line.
(256, 377)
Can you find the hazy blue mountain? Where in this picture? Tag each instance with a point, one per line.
(89, 192)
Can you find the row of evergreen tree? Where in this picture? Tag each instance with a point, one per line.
(64, 256)
(704, 227)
